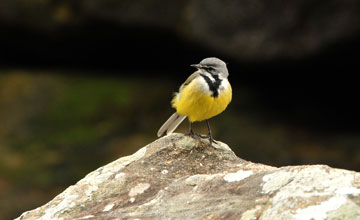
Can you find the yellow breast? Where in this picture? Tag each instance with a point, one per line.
(198, 104)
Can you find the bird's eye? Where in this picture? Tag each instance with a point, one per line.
(209, 68)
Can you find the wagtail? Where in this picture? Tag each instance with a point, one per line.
(206, 93)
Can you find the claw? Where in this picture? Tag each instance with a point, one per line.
(193, 134)
(211, 139)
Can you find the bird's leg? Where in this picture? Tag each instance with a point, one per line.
(211, 140)
(191, 132)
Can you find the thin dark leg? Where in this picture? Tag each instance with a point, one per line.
(211, 140)
(191, 132)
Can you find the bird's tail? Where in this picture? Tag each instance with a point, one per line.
(171, 124)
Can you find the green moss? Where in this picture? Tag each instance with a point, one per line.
(63, 117)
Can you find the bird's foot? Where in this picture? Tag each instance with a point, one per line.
(211, 139)
(192, 134)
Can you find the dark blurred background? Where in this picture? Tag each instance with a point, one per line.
(85, 82)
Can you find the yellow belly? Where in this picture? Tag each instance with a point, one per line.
(197, 105)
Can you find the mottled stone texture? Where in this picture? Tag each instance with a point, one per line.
(178, 177)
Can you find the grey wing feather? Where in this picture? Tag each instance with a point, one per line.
(175, 120)
(171, 124)
(189, 79)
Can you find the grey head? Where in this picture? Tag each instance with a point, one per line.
(214, 66)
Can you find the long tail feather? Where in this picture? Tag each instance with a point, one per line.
(171, 124)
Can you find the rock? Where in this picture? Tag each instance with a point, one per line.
(178, 177)
(270, 30)
(244, 30)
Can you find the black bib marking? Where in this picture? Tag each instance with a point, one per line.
(213, 86)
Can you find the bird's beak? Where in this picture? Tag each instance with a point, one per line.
(196, 65)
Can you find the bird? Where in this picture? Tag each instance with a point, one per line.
(205, 94)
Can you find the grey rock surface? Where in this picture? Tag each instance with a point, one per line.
(242, 29)
(178, 177)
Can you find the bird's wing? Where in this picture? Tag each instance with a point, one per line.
(187, 82)
(189, 79)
